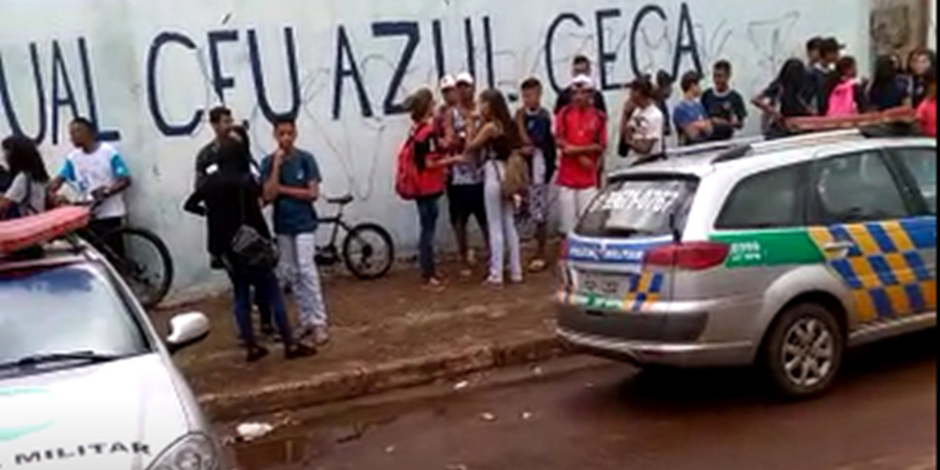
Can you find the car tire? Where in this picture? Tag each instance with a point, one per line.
(803, 351)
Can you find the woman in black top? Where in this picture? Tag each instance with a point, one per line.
(229, 198)
(789, 96)
(497, 138)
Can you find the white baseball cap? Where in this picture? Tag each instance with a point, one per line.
(465, 78)
(448, 82)
(582, 81)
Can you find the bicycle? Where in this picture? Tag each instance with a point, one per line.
(368, 251)
(139, 256)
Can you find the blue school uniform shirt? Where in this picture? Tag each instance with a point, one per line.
(538, 126)
(293, 216)
(687, 112)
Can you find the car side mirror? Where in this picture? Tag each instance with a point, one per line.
(186, 330)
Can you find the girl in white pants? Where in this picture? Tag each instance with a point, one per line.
(501, 217)
(497, 138)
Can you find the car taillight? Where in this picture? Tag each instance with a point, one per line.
(689, 255)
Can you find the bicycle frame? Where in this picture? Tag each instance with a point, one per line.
(336, 220)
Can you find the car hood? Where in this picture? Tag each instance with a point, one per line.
(118, 415)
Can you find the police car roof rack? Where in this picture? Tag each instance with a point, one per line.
(764, 146)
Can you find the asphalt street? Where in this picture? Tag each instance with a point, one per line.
(882, 414)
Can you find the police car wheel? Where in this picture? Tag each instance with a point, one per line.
(803, 351)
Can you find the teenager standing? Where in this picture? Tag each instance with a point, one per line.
(497, 137)
(429, 164)
(690, 117)
(535, 124)
(581, 131)
(643, 131)
(465, 185)
(724, 105)
(292, 184)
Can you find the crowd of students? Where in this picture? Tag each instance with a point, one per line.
(829, 84)
(463, 149)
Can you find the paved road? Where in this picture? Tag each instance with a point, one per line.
(881, 416)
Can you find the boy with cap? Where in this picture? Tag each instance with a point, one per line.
(465, 185)
(581, 131)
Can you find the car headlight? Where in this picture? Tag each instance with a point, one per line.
(191, 452)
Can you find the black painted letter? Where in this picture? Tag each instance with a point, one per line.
(40, 98)
(153, 102)
(682, 48)
(219, 81)
(107, 135)
(344, 54)
(60, 72)
(258, 73)
(439, 49)
(604, 56)
(410, 30)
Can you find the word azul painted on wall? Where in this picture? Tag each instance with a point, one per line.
(56, 93)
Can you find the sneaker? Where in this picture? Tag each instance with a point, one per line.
(321, 336)
(299, 351)
(493, 282)
(255, 354)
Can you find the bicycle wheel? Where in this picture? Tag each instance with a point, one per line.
(368, 251)
(144, 261)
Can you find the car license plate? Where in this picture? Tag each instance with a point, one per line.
(605, 285)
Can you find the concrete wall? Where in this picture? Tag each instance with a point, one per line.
(147, 70)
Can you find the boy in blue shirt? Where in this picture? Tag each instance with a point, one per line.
(292, 183)
(535, 124)
(724, 105)
(689, 116)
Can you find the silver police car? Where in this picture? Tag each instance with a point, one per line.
(782, 253)
(85, 381)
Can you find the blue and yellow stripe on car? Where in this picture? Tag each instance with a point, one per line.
(644, 291)
(884, 266)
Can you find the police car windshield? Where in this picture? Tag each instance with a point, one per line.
(51, 310)
(640, 206)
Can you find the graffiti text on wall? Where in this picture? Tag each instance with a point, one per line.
(66, 90)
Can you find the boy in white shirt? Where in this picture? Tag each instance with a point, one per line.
(97, 172)
(644, 131)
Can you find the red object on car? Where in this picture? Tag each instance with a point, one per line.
(694, 256)
(25, 232)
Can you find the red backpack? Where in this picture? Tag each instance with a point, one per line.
(410, 183)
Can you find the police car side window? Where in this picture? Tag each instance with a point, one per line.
(854, 188)
(765, 200)
(921, 165)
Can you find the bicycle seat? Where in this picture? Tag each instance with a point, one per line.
(342, 200)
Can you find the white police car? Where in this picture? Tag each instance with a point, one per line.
(85, 382)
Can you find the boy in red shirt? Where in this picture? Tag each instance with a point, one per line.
(581, 131)
(927, 111)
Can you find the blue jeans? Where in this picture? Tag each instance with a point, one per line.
(267, 292)
(427, 215)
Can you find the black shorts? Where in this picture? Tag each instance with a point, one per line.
(465, 201)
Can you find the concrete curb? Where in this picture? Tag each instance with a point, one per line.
(365, 380)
